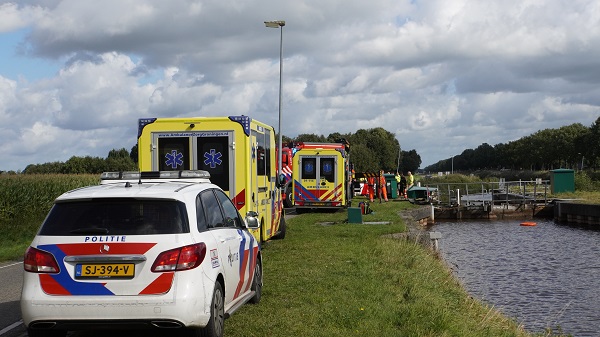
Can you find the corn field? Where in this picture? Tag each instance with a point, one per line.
(25, 195)
(24, 202)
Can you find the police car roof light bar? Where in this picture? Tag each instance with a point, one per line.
(132, 175)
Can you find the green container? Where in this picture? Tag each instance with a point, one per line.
(354, 215)
(391, 185)
(562, 180)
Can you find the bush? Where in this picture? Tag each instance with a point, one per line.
(585, 183)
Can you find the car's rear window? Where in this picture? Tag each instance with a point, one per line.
(116, 217)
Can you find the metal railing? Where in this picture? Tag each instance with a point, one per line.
(491, 193)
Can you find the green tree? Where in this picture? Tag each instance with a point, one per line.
(120, 160)
(121, 153)
(545, 149)
(411, 161)
(81, 165)
(591, 145)
(383, 146)
(483, 157)
(134, 154)
(305, 137)
(363, 158)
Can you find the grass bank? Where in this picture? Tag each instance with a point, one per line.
(330, 278)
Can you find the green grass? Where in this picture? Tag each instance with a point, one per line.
(331, 278)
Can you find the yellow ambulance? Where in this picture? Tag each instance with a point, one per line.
(321, 176)
(238, 152)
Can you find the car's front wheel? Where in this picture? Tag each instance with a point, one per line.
(257, 283)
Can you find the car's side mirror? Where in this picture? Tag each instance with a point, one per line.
(252, 220)
(281, 180)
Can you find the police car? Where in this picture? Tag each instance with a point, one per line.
(166, 250)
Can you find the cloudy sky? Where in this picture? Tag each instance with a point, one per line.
(442, 75)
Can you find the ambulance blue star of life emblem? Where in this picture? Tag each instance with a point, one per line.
(174, 159)
(212, 158)
(309, 168)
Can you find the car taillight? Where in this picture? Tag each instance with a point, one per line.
(39, 261)
(183, 258)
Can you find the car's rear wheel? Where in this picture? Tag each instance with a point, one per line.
(257, 283)
(215, 325)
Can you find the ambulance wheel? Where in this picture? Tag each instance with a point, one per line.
(287, 203)
(282, 228)
(257, 283)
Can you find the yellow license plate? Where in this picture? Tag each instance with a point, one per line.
(105, 270)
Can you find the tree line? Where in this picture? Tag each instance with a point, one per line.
(371, 150)
(574, 146)
(117, 160)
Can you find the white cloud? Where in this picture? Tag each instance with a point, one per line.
(442, 75)
(13, 17)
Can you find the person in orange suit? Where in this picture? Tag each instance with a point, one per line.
(371, 187)
(382, 187)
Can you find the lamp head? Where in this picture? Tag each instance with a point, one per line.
(275, 24)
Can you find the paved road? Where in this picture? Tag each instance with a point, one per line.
(11, 279)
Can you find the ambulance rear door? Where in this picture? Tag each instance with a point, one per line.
(199, 150)
(318, 185)
(215, 153)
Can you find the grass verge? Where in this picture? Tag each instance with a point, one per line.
(331, 278)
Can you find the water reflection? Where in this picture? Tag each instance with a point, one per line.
(543, 276)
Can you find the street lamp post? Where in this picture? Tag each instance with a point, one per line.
(279, 24)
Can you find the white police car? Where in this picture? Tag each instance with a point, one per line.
(159, 249)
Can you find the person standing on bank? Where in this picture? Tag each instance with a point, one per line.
(371, 187)
(402, 187)
(382, 187)
(410, 181)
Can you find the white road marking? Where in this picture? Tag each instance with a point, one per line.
(10, 265)
(10, 327)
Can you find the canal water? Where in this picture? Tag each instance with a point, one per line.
(546, 276)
